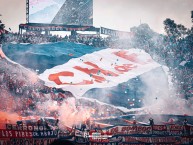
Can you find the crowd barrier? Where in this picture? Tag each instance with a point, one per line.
(139, 135)
(115, 135)
(11, 134)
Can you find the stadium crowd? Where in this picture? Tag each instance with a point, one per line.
(37, 38)
(27, 98)
(177, 54)
(163, 51)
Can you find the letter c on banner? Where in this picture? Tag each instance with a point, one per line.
(55, 77)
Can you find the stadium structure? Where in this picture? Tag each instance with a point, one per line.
(126, 129)
(71, 15)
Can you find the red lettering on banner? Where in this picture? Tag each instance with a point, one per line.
(55, 78)
(105, 72)
(132, 57)
(160, 127)
(176, 128)
(124, 129)
(143, 129)
(94, 71)
(114, 130)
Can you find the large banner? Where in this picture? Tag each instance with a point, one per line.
(70, 12)
(101, 69)
(116, 135)
(28, 134)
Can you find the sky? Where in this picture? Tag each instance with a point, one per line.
(115, 14)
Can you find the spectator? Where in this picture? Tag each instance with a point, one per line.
(185, 122)
(151, 122)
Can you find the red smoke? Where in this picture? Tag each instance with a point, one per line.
(7, 117)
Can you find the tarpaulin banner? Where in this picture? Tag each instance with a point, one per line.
(101, 69)
(150, 130)
(28, 134)
(156, 134)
